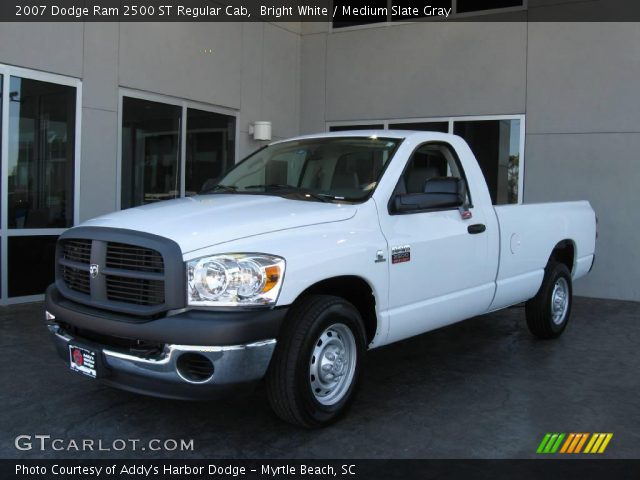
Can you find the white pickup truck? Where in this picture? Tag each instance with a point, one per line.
(299, 259)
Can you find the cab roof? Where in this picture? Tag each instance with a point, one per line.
(403, 134)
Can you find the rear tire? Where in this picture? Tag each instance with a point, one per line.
(316, 366)
(549, 311)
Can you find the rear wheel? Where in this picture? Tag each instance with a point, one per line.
(316, 366)
(549, 311)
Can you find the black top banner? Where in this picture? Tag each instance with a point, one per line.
(341, 13)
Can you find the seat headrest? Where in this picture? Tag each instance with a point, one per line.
(417, 177)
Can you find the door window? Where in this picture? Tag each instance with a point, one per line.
(432, 160)
(497, 144)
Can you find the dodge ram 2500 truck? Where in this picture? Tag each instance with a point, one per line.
(300, 258)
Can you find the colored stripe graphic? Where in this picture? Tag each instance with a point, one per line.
(550, 443)
(574, 443)
(598, 442)
(568, 442)
(556, 446)
(543, 443)
(594, 437)
(605, 444)
(581, 443)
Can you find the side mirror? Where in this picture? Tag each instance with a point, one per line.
(439, 192)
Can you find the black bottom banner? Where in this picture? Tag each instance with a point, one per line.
(320, 469)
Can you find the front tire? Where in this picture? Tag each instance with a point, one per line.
(549, 311)
(315, 369)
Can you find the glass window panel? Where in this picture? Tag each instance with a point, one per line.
(478, 5)
(41, 154)
(1, 129)
(442, 127)
(346, 128)
(496, 145)
(400, 7)
(26, 256)
(210, 148)
(150, 151)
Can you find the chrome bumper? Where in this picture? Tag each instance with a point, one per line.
(160, 376)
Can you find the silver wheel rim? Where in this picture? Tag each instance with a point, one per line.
(332, 365)
(560, 301)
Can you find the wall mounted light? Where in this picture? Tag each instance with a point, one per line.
(260, 130)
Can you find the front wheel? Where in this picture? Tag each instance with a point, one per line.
(548, 312)
(316, 366)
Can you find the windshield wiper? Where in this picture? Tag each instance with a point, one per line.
(322, 197)
(224, 188)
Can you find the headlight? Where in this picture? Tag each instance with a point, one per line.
(234, 279)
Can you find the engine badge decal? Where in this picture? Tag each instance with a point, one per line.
(401, 254)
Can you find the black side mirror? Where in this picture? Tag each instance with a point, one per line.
(439, 192)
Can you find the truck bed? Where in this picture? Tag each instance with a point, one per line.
(528, 233)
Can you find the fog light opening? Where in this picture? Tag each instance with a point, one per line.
(194, 368)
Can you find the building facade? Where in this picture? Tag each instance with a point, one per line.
(102, 116)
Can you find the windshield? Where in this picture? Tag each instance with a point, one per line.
(325, 169)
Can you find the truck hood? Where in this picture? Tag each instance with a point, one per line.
(207, 220)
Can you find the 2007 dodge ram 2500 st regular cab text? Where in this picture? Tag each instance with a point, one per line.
(300, 258)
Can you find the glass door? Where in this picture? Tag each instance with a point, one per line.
(39, 149)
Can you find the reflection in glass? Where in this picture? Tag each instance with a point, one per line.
(478, 5)
(26, 256)
(1, 98)
(150, 151)
(496, 145)
(346, 128)
(210, 147)
(41, 154)
(442, 127)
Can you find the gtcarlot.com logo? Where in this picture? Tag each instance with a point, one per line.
(47, 442)
(574, 443)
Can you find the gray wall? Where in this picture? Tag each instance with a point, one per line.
(576, 83)
(254, 69)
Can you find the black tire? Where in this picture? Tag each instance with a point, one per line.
(288, 381)
(539, 310)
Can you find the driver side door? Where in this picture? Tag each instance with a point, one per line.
(439, 270)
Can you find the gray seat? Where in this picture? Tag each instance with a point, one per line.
(417, 177)
(344, 180)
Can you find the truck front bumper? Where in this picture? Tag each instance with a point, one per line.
(238, 361)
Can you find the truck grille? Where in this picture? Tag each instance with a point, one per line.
(77, 250)
(131, 257)
(130, 278)
(135, 290)
(76, 279)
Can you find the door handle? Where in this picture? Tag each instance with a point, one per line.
(476, 229)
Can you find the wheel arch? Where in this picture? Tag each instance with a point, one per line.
(564, 252)
(354, 289)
